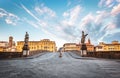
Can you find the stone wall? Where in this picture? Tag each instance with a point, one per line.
(4, 55)
(10, 55)
(105, 54)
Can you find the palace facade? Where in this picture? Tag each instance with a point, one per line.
(77, 47)
(69, 47)
(3, 45)
(42, 45)
(113, 46)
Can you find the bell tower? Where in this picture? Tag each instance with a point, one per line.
(10, 41)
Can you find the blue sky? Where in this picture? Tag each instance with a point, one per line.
(60, 20)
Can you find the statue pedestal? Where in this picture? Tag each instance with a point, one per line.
(83, 53)
(83, 50)
(25, 50)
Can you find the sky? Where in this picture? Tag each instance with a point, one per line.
(61, 21)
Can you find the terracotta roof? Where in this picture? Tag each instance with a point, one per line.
(69, 43)
(3, 42)
(112, 44)
(97, 46)
(3, 47)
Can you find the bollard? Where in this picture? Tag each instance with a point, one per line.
(60, 54)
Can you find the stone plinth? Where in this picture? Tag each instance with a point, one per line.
(83, 50)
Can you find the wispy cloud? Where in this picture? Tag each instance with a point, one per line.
(118, 0)
(116, 10)
(109, 3)
(106, 3)
(29, 12)
(2, 12)
(45, 11)
(9, 17)
(71, 16)
(87, 19)
(100, 16)
(117, 20)
(69, 27)
(39, 13)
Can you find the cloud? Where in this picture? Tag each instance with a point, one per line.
(100, 16)
(44, 21)
(39, 13)
(106, 3)
(117, 21)
(69, 3)
(110, 30)
(112, 37)
(94, 21)
(87, 19)
(71, 16)
(2, 12)
(9, 21)
(116, 10)
(101, 3)
(43, 10)
(40, 22)
(118, 0)
(9, 17)
(96, 25)
(110, 27)
(29, 12)
(69, 27)
(73, 3)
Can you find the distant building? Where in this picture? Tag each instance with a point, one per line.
(12, 46)
(3, 45)
(43, 45)
(76, 47)
(90, 47)
(69, 47)
(114, 46)
(8, 46)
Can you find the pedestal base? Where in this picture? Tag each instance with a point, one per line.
(83, 53)
(83, 50)
(25, 52)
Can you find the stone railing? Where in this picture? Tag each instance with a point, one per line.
(105, 54)
(4, 55)
(36, 52)
(10, 55)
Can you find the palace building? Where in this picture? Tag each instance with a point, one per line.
(77, 47)
(69, 47)
(3, 45)
(114, 46)
(42, 45)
